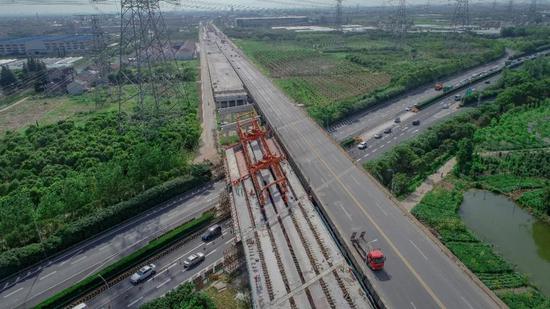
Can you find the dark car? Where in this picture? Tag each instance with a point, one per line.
(387, 131)
(416, 122)
(213, 232)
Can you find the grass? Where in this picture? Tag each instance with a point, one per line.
(506, 183)
(226, 298)
(525, 128)
(439, 210)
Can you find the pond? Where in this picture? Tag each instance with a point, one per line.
(519, 237)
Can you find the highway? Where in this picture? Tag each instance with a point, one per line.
(384, 117)
(170, 273)
(377, 115)
(60, 272)
(418, 274)
(405, 130)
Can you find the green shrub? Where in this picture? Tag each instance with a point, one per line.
(14, 260)
(527, 300)
(185, 296)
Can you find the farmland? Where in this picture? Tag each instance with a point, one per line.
(335, 75)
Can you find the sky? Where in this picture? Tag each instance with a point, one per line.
(49, 7)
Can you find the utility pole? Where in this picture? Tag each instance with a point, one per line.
(339, 19)
(101, 61)
(401, 23)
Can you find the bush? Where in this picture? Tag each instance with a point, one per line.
(185, 296)
(92, 282)
(527, 300)
(14, 260)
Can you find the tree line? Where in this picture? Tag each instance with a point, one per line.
(34, 73)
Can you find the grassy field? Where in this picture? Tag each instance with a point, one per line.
(525, 128)
(335, 75)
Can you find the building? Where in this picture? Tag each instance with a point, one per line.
(77, 87)
(273, 21)
(58, 45)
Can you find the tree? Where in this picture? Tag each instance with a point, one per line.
(464, 156)
(547, 199)
(8, 80)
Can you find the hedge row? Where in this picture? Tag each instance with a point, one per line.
(94, 281)
(14, 260)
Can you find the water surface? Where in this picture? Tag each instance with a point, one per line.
(519, 237)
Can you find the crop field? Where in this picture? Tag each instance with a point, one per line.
(524, 128)
(335, 75)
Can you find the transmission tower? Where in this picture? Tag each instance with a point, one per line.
(461, 17)
(339, 19)
(532, 15)
(510, 9)
(101, 60)
(401, 22)
(147, 60)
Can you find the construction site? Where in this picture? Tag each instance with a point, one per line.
(292, 259)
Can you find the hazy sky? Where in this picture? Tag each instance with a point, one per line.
(48, 7)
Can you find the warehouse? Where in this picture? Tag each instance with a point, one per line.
(273, 21)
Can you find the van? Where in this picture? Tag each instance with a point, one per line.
(212, 232)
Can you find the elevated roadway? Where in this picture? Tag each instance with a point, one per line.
(418, 274)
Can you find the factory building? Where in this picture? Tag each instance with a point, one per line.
(274, 21)
(55, 45)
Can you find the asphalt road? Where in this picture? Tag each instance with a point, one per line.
(431, 115)
(170, 273)
(384, 118)
(375, 116)
(63, 271)
(417, 273)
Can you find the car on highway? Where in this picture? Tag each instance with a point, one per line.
(387, 131)
(458, 97)
(487, 82)
(408, 109)
(377, 136)
(193, 260)
(397, 120)
(362, 145)
(143, 273)
(416, 122)
(212, 232)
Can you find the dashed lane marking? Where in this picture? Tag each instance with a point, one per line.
(160, 285)
(134, 302)
(10, 294)
(50, 274)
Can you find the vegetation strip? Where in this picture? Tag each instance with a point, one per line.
(94, 281)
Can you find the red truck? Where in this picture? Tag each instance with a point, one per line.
(373, 257)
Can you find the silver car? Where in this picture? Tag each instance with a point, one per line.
(193, 260)
(143, 273)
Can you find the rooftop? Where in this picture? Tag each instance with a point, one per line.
(48, 38)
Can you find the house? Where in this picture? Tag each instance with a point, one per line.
(77, 87)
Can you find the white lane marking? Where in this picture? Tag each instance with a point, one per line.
(467, 303)
(46, 276)
(104, 247)
(388, 142)
(78, 260)
(412, 305)
(5, 285)
(415, 131)
(346, 212)
(176, 259)
(227, 242)
(160, 285)
(405, 128)
(10, 294)
(381, 209)
(171, 266)
(402, 134)
(422, 253)
(211, 252)
(134, 302)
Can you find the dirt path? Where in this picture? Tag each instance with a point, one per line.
(14, 104)
(428, 184)
(208, 148)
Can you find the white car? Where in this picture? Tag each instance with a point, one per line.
(143, 273)
(362, 145)
(193, 260)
